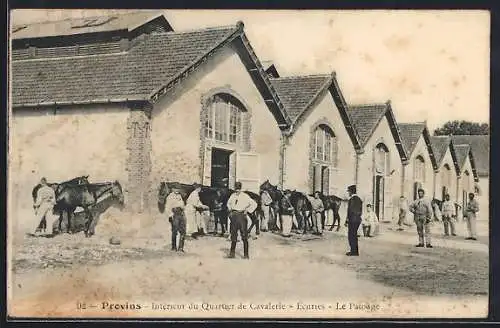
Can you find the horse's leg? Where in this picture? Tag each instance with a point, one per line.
(89, 224)
(70, 213)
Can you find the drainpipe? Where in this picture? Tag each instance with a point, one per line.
(403, 176)
(434, 182)
(282, 164)
(457, 190)
(356, 171)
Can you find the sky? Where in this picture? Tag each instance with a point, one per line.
(432, 65)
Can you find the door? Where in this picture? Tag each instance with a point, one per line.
(444, 193)
(219, 176)
(325, 180)
(379, 197)
(248, 171)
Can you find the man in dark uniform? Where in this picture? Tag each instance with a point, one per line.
(354, 210)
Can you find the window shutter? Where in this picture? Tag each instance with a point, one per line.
(335, 151)
(248, 171)
(207, 166)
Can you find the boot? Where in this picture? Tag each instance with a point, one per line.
(232, 250)
(245, 249)
(181, 244)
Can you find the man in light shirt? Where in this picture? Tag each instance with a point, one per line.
(448, 214)
(175, 210)
(470, 215)
(266, 202)
(403, 211)
(239, 205)
(422, 211)
(317, 208)
(44, 204)
(196, 224)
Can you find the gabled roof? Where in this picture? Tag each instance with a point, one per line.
(464, 151)
(480, 145)
(296, 92)
(366, 118)
(300, 93)
(71, 26)
(143, 73)
(410, 134)
(440, 145)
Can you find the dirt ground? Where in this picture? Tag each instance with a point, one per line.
(50, 276)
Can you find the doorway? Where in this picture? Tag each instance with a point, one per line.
(379, 197)
(220, 167)
(321, 180)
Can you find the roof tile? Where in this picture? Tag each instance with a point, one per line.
(480, 145)
(410, 133)
(365, 119)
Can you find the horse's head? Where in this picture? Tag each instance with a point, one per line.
(117, 192)
(162, 196)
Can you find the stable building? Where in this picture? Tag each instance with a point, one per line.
(421, 165)
(319, 147)
(480, 146)
(468, 175)
(378, 170)
(446, 177)
(127, 98)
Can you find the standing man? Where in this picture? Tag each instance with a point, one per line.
(220, 214)
(403, 210)
(470, 215)
(266, 201)
(196, 221)
(239, 205)
(317, 208)
(44, 204)
(422, 211)
(336, 216)
(448, 214)
(175, 210)
(354, 210)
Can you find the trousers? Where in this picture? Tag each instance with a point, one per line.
(178, 227)
(402, 217)
(471, 224)
(352, 234)
(423, 230)
(286, 224)
(44, 212)
(264, 226)
(448, 223)
(316, 220)
(239, 223)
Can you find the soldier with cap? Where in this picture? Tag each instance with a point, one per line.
(175, 210)
(471, 209)
(239, 205)
(45, 201)
(354, 210)
(422, 211)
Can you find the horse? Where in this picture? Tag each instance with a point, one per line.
(81, 220)
(302, 207)
(57, 187)
(85, 196)
(330, 203)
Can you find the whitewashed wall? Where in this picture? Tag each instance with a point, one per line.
(297, 152)
(176, 121)
(447, 159)
(428, 184)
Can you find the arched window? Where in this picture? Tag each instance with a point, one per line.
(223, 121)
(446, 176)
(325, 145)
(419, 169)
(466, 182)
(382, 166)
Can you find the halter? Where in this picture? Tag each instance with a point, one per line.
(112, 184)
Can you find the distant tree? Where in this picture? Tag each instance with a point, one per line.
(462, 127)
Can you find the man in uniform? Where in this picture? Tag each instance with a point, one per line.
(448, 215)
(422, 211)
(317, 208)
(175, 210)
(195, 208)
(44, 204)
(470, 215)
(239, 205)
(354, 210)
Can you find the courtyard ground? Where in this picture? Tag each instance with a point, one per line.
(310, 276)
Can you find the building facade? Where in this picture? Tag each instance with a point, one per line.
(446, 178)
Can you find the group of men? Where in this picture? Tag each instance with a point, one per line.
(188, 218)
(425, 212)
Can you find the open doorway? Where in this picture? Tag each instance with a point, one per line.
(379, 197)
(220, 167)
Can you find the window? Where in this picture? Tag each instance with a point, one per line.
(325, 145)
(446, 176)
(382, 166)
(223, 120)
(419, 169)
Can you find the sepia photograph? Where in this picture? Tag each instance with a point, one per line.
(270, 164)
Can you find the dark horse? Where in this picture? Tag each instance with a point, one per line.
(81, 221)
(300, 203)
(57, 187)
(85, 196)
